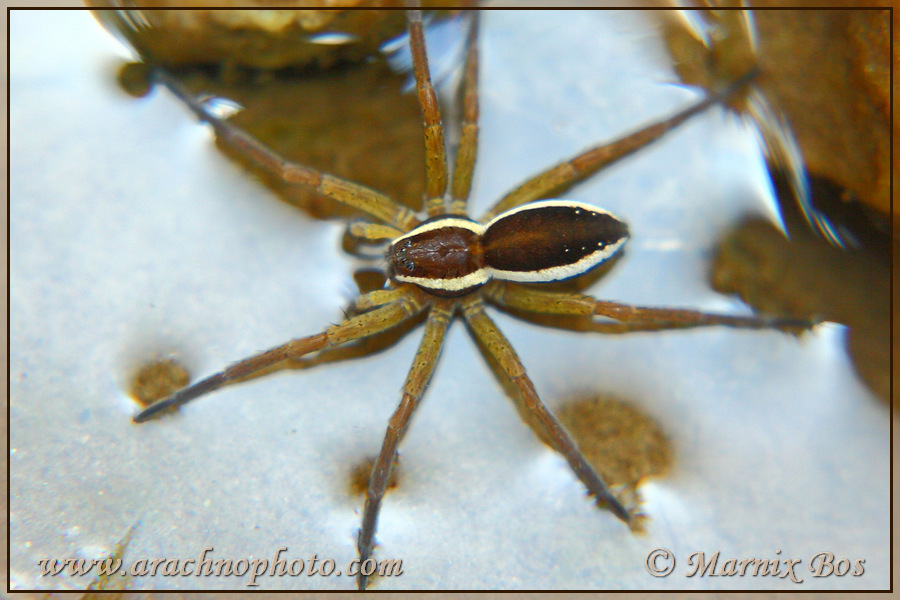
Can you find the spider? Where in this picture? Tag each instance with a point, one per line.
(447, 265)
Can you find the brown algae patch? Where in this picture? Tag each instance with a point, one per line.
(806, 277)
(358, 481)
(156, 380)
(623, 444)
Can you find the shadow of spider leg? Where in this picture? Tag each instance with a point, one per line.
(370, 323)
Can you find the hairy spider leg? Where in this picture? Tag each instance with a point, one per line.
(416, 381)
(560, 177)
(467, 150)
(492, 340)
(378, 298)
(374, 204)
(627, 318)
(373, 232)
(366, 324)
(435, 153)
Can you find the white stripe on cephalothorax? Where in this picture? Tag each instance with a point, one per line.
(455, 284)
(476, 228)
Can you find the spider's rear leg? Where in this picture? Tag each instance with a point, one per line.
(626, 318)
(403, 307)
(560, 177)
(498, 347)
(419, 375)
(374, 204)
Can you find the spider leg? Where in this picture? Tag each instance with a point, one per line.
(560, 177)
(372, 203)
(467, 151)
(368, 240)
(495, 343)
(435, 153)
(373, 233)
(626, 318)
(363, 325)
(421, 371)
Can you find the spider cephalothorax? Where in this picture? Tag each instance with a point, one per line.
(450, 265)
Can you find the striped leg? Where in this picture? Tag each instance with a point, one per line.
(366, 324)
(556, 179)
(498, 347)
(374, 204)
(419, 375)
(626, 318)
(435, 153)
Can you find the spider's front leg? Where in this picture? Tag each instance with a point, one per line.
(467, 151)
(625, 317)
(435, 153)
(419, 375)
(498, 347)
(374, 204)
(403, 305)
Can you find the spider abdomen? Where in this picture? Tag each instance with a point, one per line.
(549, 240)
(540, 241)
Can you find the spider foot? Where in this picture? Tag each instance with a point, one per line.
(625, 502)
(366, 551)
(795, 326)
(632, 501)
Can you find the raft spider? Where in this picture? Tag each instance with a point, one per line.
(448, 265)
